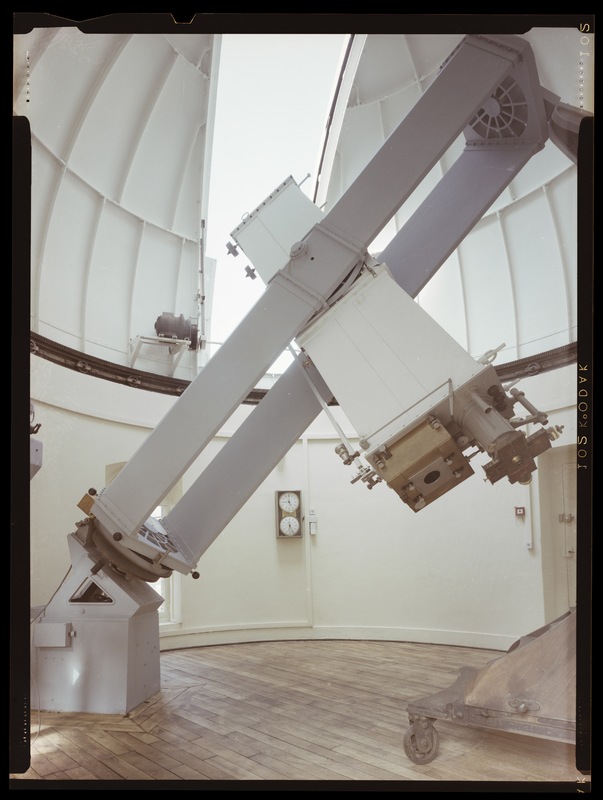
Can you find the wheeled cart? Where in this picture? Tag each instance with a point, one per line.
(530, 690)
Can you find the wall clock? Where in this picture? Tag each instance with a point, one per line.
(288, 514)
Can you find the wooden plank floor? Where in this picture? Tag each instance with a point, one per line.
(290, 711)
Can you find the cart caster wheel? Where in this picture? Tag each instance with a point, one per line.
(421, 742)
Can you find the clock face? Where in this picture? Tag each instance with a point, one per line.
(289, 502)
(289, 526)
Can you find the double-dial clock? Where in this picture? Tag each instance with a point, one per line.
(288, 514)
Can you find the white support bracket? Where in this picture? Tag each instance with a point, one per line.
(175, 349)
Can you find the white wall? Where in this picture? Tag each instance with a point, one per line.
(458, 572)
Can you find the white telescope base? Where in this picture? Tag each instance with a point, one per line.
(95, 648)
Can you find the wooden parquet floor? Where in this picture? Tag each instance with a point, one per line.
(307, 711)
